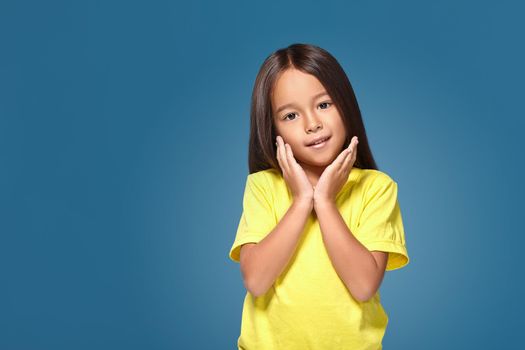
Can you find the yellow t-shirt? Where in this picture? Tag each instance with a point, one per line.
(308, 306)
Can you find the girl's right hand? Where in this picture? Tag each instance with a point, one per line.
(293, 173)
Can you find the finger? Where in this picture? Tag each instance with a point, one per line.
(277, 155)
(350, 159)
(349, 153)
(355, 151)
(282, 154)
(290, 157)
(289, 153)
(340, 160)
(353, 142)
(292, 163)
(342, 157)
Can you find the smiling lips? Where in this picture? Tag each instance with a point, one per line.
(319, 142)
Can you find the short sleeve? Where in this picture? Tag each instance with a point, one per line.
(380, 225)
(257, 218)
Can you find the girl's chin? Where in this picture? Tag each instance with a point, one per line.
(320, 161)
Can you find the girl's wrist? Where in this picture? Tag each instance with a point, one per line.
(303, 202)
(324, 202)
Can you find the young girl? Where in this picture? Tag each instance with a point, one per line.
(320, 224)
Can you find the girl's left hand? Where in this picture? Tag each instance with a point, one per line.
(335, 175)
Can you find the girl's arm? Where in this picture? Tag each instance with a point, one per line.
(261, 263)
(361, 271)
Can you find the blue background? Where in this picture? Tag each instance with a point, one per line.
(123, 156)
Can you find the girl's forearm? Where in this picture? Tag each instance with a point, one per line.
(271, 255)
(352, 261)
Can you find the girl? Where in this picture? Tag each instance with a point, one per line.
(320, 224)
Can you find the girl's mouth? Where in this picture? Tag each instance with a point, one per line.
(320, 145)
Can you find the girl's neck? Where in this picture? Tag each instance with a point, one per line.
(313, 173)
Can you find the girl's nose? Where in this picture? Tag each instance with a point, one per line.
(312, 122)
(314, 126)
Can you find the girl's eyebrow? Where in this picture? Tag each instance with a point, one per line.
(291, 104)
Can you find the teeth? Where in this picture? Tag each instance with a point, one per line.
(319, 142)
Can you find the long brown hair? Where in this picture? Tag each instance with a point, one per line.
(318, 62)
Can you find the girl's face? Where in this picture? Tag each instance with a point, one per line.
(302, 112)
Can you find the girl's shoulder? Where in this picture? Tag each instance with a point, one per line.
(266, 178)
(266, 183)
(374, 176)
(372, 181)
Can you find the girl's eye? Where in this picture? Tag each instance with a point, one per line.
(286, 116)
(322, 103)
